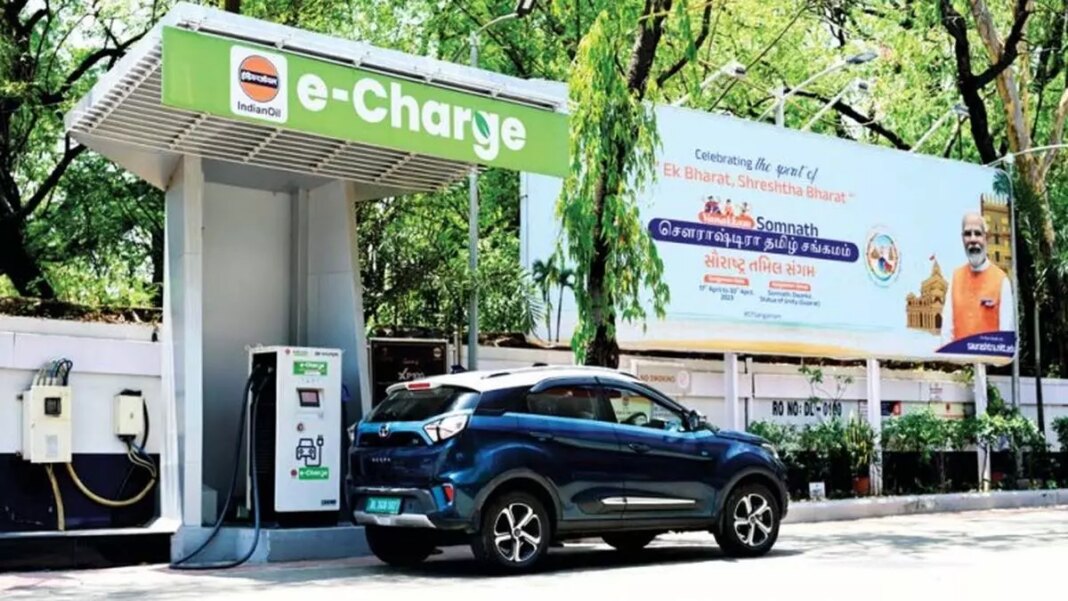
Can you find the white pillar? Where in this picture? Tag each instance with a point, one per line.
(183, 294)
(299, 264)
(875, 419)
(334, 309)
(730, 392)
(980, 408)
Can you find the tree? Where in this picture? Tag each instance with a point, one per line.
(565, 279)
(544, 273)
(1022, 89)
(42, 70)
(613, 138)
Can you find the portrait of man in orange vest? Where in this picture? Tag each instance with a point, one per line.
(979, 299)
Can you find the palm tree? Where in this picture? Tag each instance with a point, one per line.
(1002, 186)
(565, 278)
(544, 276)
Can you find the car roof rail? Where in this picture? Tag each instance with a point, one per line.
(544, 367)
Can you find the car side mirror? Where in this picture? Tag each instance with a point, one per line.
(695, 421)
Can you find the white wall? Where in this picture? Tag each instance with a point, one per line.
(107, 359)
(761, 386)
(246, 300)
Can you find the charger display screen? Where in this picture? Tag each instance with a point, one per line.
(308, 397)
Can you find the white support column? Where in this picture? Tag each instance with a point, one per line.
(184, 313)
(334, 311)
(362, 360)
(875, 419)
(730, 392)
(298, 296)
(980, 408)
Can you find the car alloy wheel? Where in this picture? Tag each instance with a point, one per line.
(753, 520)
(749, 523)
(517, 532)
(514, 534)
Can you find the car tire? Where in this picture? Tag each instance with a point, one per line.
(629, 542)
(749, 525)
(400, 547)
(514, 534)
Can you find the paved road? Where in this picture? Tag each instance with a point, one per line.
(979, 555)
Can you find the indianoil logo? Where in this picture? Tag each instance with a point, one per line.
(258, 78)
(258, 84)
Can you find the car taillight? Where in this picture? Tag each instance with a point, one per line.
(446, 427)
(450, 492)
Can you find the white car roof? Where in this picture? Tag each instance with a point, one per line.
(496, 379)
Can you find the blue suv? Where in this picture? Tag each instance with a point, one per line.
(514, 461)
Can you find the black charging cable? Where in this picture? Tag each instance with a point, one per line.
(259, 378)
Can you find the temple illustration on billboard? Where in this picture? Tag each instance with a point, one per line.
(995, 210)
(925, 311)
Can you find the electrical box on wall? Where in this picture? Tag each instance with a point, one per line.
(128, 414)
(46, 424)
(297, 430)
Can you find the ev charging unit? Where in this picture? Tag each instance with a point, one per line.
(296, 432)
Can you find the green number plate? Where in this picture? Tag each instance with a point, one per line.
(391, 505)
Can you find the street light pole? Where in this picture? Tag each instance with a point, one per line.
(522, 9)
(782, 95)
(472, 243)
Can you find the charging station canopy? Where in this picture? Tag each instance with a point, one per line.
(206, 83)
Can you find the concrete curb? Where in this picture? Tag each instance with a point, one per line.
(855, 509)
(275, 545)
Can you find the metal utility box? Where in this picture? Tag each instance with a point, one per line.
(297, 431)
(46, 424)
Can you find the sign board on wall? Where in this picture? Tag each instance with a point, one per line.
(672, 380)
(243, 81)
(778, 241)
(802, 411)
(401, 360)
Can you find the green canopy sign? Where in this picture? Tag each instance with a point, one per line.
(249, 82)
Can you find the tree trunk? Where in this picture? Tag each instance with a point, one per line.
(232, 6)
(602, 349)
(559, 312)
(17, 263)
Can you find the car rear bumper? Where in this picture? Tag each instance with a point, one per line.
(420, 508)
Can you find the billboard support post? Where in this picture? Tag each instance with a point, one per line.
(730, 382)
(875, 420)
(1015, 284)
(980, 408)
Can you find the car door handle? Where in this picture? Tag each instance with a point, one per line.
(542, 436)
(638, 447)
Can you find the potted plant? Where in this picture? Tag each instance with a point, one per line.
(860, 446)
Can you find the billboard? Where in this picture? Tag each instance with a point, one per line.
(785, 242)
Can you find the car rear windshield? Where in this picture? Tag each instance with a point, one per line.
(418, 405)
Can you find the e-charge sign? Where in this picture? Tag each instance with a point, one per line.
(237, 80)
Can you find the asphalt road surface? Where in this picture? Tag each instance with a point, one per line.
(1002, 555)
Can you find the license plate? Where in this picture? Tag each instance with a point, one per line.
(390, 505)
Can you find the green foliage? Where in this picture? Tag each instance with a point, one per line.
(860, 444)
(815, 378)
(612, 153)
(786, 438)
(6, 287)
(414, 260)
(925, 433)
(1060, 426)
(1012, 432)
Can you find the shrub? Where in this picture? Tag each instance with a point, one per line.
(1060, 426)
(860, 445)
(784, 437)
